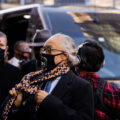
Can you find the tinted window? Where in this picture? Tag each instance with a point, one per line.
(105, 29)
(102, 27)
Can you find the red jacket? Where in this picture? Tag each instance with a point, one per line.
(111, 97)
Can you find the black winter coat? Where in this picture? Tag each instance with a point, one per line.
(72, 99)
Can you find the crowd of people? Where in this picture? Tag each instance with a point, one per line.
(55, 80)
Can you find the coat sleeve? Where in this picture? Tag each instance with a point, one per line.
(24, 112)
(81, 108)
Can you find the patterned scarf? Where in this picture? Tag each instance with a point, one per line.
(30, 83)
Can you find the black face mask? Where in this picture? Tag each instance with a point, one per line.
(48, 61)
(2, 51)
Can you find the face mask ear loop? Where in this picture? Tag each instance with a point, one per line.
(59, 53)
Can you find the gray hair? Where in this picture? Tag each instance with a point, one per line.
(70, 48)
(3, 35)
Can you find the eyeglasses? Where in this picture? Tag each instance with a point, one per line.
(48, 50)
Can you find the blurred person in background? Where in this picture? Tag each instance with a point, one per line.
(91, 57)
(9, 75)
(63, 96)
(106, 94)
(22, 54)
(38, 41)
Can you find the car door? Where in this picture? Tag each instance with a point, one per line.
(20, 24)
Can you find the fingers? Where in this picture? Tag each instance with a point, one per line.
(19, 99)
(40, 96)
(19, 85)
(10, 92)
(37, 94)
(13, 92)
(20, 96)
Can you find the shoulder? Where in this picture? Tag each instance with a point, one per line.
(29, 67)
(11, 67)
(12, 71)
(29, 63)
(6, 64)
(79, 86)
(76, 83)
(76, 79)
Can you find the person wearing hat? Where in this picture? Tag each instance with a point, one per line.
(38, 41)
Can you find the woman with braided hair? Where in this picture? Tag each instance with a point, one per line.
(106, 94)
(56, 93)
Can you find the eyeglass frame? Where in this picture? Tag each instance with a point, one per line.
(43, 49)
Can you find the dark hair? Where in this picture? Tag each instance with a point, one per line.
(17, 44)
(91, 56)
(4, 36)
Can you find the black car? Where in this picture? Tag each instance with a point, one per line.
(80, 22)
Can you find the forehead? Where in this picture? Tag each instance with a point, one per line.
(24, 44)
(2, 41)
(54, 43)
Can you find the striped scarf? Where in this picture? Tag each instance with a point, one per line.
(30, 83)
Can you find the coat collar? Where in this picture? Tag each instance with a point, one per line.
(63, 85)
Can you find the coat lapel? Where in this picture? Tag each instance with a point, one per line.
(63, 85)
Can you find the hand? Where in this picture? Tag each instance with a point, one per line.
(40, 96)
(19, 95)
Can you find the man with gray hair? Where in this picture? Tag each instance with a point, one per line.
(63, 96)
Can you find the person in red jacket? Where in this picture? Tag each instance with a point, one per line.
(106, 94)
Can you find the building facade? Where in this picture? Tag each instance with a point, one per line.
(104, 3)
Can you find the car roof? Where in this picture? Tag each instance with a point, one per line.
(19, 8)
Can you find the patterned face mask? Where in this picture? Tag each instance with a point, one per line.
(30, 83)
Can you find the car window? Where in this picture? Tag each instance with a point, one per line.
(34, 23)
(105, 29)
